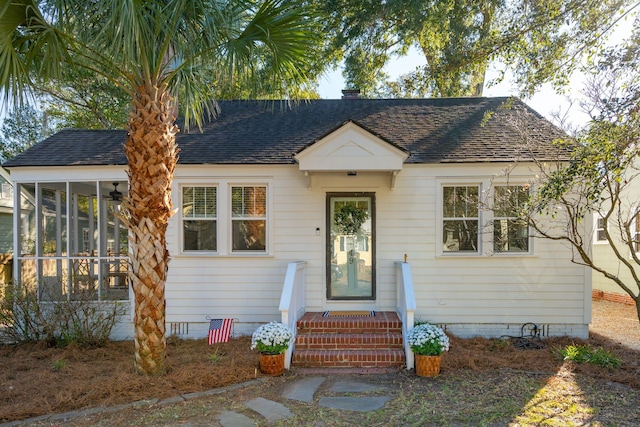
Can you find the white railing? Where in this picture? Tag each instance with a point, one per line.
(292, 301)
(406, 305)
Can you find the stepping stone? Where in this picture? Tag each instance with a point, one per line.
(359, 404)
(233, 419)
(303, 390)
(354, 387)
(272, 411)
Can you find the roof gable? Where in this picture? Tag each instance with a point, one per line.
(351, 148)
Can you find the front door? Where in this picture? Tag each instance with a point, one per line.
(351, 246)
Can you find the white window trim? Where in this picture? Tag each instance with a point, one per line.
(181, 186)
(468, 182)
(486, 187)
(529, 252)
(224, 226)
(268, 220)
(596, 241)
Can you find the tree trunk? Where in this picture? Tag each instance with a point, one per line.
(152, 154)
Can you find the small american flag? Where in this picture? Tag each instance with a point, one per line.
(219, 330)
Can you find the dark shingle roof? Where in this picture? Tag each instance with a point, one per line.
(271, 132)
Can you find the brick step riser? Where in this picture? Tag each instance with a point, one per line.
(349, 330)
(330, 342)
(348, 359)
(349, 341)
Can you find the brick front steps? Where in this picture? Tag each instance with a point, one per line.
(349, 342)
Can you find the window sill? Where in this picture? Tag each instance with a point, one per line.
(220, 255)
(444, 255)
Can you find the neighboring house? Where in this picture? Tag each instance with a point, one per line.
(6, 223)
(6, 227)
(603, 255)
(350, 187)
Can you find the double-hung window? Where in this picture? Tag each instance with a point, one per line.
(199, 218)
(510, 233)
(460, 218)
(601, 229)
(249, 218)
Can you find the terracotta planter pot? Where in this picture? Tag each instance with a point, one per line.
(272, 364)
(427, 366)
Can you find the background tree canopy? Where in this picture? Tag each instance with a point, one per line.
(539, 41)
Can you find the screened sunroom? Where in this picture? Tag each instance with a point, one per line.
(71, 242)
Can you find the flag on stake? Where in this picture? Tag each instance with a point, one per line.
(219, 330)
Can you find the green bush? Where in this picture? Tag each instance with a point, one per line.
(585, 354)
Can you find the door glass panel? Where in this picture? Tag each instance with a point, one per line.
(351, 246)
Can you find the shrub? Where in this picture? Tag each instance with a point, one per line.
(28, 317)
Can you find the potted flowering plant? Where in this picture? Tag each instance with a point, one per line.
(427, 342)
(271, 340)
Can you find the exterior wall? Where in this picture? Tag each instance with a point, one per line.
(6, 214)
(6, 231)
(485, 294)
(603, 254)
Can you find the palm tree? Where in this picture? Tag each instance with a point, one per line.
(153, 50)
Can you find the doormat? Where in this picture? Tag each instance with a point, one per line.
(355, 313)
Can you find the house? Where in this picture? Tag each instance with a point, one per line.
(6, 225)
(603, 252)
(326, 205)
(6, 213)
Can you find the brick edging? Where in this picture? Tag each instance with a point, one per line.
(597, 294)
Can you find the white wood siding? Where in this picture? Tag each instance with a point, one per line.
(508, 289)
(543, 287)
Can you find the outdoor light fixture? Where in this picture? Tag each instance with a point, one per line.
(116, 196)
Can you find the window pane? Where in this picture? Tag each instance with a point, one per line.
(510, 236)
(509, 199)
(248, 202)
(460, 235)
(249, 235)
(199, 202)
(199, 235)
(602, 224)
(448, 196)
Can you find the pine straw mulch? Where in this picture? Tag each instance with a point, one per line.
(35, 380)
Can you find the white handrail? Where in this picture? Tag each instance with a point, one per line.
(406, 305)
(292, 302)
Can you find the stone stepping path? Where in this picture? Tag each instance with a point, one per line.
(234, 419)
(304, 390)
(359, 404)
(272, 411)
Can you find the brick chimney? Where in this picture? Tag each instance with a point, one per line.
(350, 93)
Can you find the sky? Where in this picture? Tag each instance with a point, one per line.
(546, 101)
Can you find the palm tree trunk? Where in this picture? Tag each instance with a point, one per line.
(152, 154)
